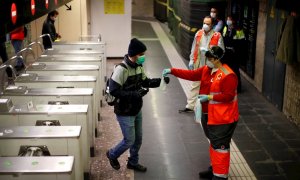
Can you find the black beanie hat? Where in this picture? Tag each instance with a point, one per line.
(136, 47)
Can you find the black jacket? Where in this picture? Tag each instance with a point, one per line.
(49, 28)
(125, 85)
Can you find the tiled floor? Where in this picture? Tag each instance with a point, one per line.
(109, 134)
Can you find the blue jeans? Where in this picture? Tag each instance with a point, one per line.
(17, 44)
(131, 127)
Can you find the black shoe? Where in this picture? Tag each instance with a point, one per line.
(137, 167)
(218, 178)
(206, 174)
(113, 162)
(185, 110)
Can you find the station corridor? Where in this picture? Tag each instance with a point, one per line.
(265, 145)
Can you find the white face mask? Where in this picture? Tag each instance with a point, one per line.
(206, 27)
(210, 64)
(229, 23)
(213, 15)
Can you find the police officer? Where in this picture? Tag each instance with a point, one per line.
(233, 39)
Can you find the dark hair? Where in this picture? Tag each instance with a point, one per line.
(215, 52)
(53, 13)
(215, 9)
(207, 17)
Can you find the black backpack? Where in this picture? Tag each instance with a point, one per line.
(110, 99)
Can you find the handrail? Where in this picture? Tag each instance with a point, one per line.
(25, 50)
(36, 42)
(43, 35)
(11, 67)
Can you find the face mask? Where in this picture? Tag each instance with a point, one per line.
(206, 27)
(213, 15)
(229, 23)
(210, 64)
(140, 60)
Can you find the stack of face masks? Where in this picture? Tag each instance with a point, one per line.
(163, 84)
(198, 111)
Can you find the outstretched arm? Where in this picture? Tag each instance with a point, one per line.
(192, 75)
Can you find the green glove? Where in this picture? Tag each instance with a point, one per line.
(166, 72)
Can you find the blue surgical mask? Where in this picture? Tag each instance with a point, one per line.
(210, 64)
(229, 23)
(213, 15)
(141, 60)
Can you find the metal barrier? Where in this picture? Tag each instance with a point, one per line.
(24, 168)
(90, 38)
(67, 115)
(68, 70)
(24, 95)
(29, 141)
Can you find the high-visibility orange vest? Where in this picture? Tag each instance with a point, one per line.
(222, 112)
(213, 42)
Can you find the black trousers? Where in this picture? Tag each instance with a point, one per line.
(218, 135)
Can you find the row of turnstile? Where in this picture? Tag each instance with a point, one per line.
(49, 116)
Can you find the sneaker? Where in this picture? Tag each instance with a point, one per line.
(113, 162)
(185, 110)
(208, 174)
(137, 167)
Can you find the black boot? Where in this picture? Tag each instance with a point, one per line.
(137, 167)
(208, 174)
(218, 178)
(113, 162)
(185, 110)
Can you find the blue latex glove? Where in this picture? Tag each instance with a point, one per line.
(203, 97)
(191, 65)
(166, 72)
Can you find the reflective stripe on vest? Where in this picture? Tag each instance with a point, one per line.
(213, 42)
(222, 112)
(222, 150)
(217, 102)
(224, 31)
(239, 34)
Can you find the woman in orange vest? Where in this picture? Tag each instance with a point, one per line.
(218, 95)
